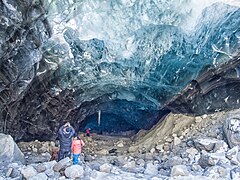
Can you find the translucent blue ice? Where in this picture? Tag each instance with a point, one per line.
(128, 58)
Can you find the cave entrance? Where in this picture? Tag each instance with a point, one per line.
(110, 124)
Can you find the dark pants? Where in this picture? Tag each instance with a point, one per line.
(64, 153)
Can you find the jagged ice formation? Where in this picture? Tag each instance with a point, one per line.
(133, 60)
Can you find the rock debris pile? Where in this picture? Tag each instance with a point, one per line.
(181, 147)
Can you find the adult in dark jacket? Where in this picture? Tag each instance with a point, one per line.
(65, 134)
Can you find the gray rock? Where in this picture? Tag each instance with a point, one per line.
(220, 146)
(140, 162)
(115, 170)
(88, 158)
(15, 173)
(62, 164)
(9, 172)
(209, 144)
(235, 173)
(176, 141)
(9, 151)
(40, 176)
(148, 156)
(62, 178)
(103, 152)
(74, 171)
(130, 166)
(164, 172)
(231, 129)
(205, 161)
(95, 165)
(159, 147)
(97, 175)
(50, 164)
(50, 172)
(105, 168)
(38, 158)
(115, 162)
(192, 152)
(179, 170)
(151, 169)
(233, 155)
(28, 171)
(173, 162)
(217, 172)
(196, 168)
(40, 168)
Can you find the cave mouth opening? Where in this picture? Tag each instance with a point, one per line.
(109, 124)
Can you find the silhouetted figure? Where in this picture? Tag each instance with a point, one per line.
(65, 134)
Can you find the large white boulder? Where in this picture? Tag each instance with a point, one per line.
(28, 172)
(9, 151)
(74, 171)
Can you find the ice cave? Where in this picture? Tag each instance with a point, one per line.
(115, 66)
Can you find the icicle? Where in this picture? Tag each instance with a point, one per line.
(99, 117)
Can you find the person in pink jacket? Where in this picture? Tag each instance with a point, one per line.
(88, 132)
(77, 145)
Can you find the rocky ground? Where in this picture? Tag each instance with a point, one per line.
(181, 147)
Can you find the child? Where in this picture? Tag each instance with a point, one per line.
(54, 151)
(77, 145)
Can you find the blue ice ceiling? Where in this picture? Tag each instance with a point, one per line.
(127, 58)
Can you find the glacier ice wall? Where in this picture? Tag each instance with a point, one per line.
(138, 54)
(125, 58)
(157, 44)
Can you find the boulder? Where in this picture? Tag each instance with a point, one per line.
(233, 155)
(231, 129)
(62, 164)
(74, 171)
(49, 173)
(95, 165)
(115, 170)
(176, 141)
(105, 168)
(40, 176)
(235, 173)
(102, 152)
(9, 151)
(9, 172)
(206, 161)
(217, 172)
(129, 165)
(140, 162)
(173, 161)
(50, 164)
(40, 168)
(151, 169)
(179, 170)
(205, 144)
(28, 171)
(120, 144)
(14, 171)
(191, 152)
